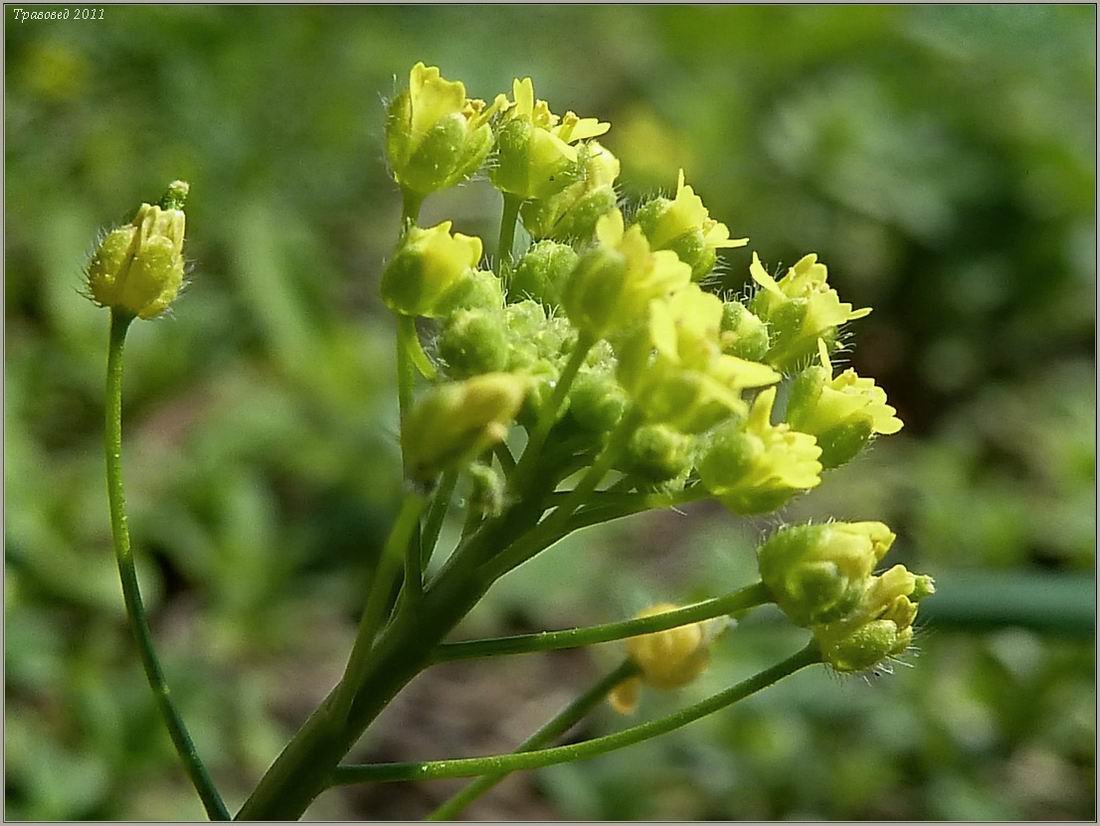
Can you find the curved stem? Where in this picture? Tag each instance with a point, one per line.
(740, 600)
(474, 766)
(554, 728)
(135, 608)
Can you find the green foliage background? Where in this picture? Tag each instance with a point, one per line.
(940, 159)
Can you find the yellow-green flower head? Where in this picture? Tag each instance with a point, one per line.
(614, 281)
(572, 213)
(667, 659)
(138, 269)
(536, 157)
(820, 573)
(456, 421)
(758, 467)
(684, 226)
(428, 263)
(436, 137)
(880, 627)
(842, 412)
(799, 308)
(674, 367)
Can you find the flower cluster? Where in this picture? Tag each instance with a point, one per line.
(607, 322)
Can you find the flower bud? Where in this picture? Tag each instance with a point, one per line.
(757, 467)
(658, 453)
(842, 412)
(596, 401)
(487, 487)
(138, 269)
(573, 212)
(472, 342)
(667, 659)
(542, 272)
(743, 334)
(456, 421)
(614, 281)
(819, 573)
(435, 136)
(684, 226)
(428, 264)
(881, 626)
(474, 290)
(799, 309)
(535, 155)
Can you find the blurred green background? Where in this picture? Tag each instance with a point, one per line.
(940, 159)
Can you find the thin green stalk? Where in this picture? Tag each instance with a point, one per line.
(385, 574)
(437, 513)
(548, 733)
(135, 608)
(739, 600)
(498, 763)
(509, 215)
(505, 457)
(548, 413)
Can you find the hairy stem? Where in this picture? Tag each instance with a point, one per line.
(135, 608)
(740, 600)
(495, 764)
(554, 728)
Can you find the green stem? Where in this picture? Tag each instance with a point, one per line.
(548, 733)
(135, 608)
(495, 764)
(410, 207)
(437, 513)
(548, 414)
(509, 215)
(398, 545)
(740, 600)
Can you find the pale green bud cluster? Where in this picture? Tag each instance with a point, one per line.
(822, 577)
(138, 269)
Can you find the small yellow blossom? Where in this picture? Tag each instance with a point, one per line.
(428, 264)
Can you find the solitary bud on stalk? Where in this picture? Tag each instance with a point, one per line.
(428, 264)
(542, 272)
(138, 268)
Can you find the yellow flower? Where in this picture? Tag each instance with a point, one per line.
(667, 659)
(842, 412)
(536, 157)
(572, 213)
(138, 269)
(758, 467)
(436, 137)
(614, 281)
(684, 225)
(428, 264)
(675, 369)
(800, 308)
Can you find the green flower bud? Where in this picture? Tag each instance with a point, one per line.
(427, 266)
(456, 421)
(535, 155)
(743, 334)
(819, 573)
(542, 375)
(760, 466)
(684, 226)
(542, 272)
(842, 412)
(474, 290)
(596, 401)
(800, 308)
(658, 453)
(138, 269)
(614, 281)
(881, 626)
(573, 212)
(487, 488)
(435, 136)
(472, 342)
